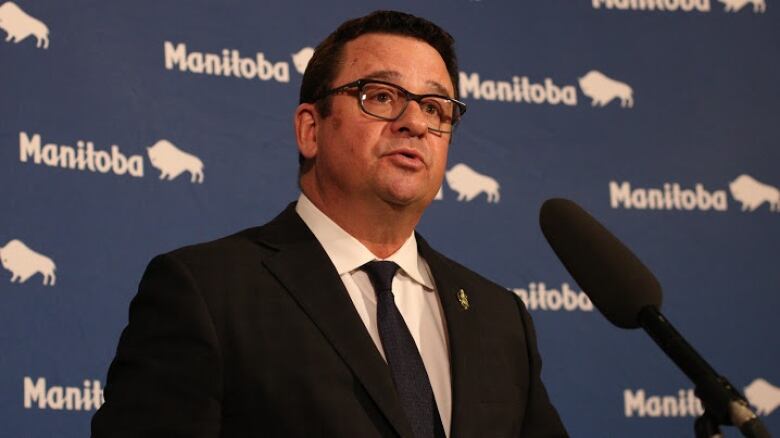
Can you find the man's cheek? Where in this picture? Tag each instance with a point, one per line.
(336, 122)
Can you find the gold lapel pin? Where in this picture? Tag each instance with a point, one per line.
(463, 299)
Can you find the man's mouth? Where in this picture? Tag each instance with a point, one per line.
(407, 157)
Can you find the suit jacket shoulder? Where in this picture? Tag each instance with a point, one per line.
(249, 335)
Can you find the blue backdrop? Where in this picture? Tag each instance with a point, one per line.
(659, 116)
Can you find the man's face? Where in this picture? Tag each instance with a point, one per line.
(362, 158)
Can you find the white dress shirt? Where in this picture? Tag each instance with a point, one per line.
(414, 290)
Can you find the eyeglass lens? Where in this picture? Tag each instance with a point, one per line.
(388, 102)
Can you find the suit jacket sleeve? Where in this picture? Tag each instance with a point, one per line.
(165, 379)
(540, 419)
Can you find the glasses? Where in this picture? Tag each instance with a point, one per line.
(388, 101)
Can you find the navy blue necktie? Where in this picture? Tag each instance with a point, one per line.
(403, 358)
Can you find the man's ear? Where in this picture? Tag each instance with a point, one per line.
(306, 129)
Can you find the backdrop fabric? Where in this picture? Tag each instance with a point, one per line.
(129, 129)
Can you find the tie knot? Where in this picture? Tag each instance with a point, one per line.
(381, 274)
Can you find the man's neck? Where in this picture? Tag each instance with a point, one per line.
(379, 226)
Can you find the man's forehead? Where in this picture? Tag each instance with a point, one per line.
(368, 52)
(395, 76)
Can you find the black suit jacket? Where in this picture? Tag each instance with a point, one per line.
(255, 335)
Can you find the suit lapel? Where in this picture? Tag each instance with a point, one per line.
(463, 335)
(303, 267)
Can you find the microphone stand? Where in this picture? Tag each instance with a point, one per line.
(737, 410)
(706, 427)
(723, 404)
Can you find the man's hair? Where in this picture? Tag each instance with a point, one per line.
(326, 61)
(324, 64)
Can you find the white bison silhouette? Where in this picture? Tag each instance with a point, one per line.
(468, 183)
(752, 193)
(172, 161)
(736, 5)
(602, 89)
(763, 395)
(19, 25)
(301, 58)
(24, 263)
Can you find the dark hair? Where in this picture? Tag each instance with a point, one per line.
(324, 64)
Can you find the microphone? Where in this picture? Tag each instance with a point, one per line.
(629, 296)
(603, 267)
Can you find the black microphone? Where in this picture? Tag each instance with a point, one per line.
(629, 296)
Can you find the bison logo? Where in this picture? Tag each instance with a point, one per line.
(602, 89)
(736, 5)
(301, 58)
(752, 193)
(763, 395)
(19, 25)
(24, 263)
(172, 161)
(469, 184)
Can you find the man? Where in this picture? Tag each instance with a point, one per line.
(288, 330)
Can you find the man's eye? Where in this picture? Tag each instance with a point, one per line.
(383, 97)
(380, 95)
(431, 108)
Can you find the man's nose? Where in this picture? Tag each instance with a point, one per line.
(412, 121)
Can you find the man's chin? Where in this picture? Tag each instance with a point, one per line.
(407, 192)
(412, 201)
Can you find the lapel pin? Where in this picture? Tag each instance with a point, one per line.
(463, 299)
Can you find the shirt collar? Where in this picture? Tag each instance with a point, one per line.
(348, 254)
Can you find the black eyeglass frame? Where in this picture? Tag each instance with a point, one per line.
(360, 83)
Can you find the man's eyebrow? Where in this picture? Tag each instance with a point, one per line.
(438, 87)
(392, 74)
(384, 75)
